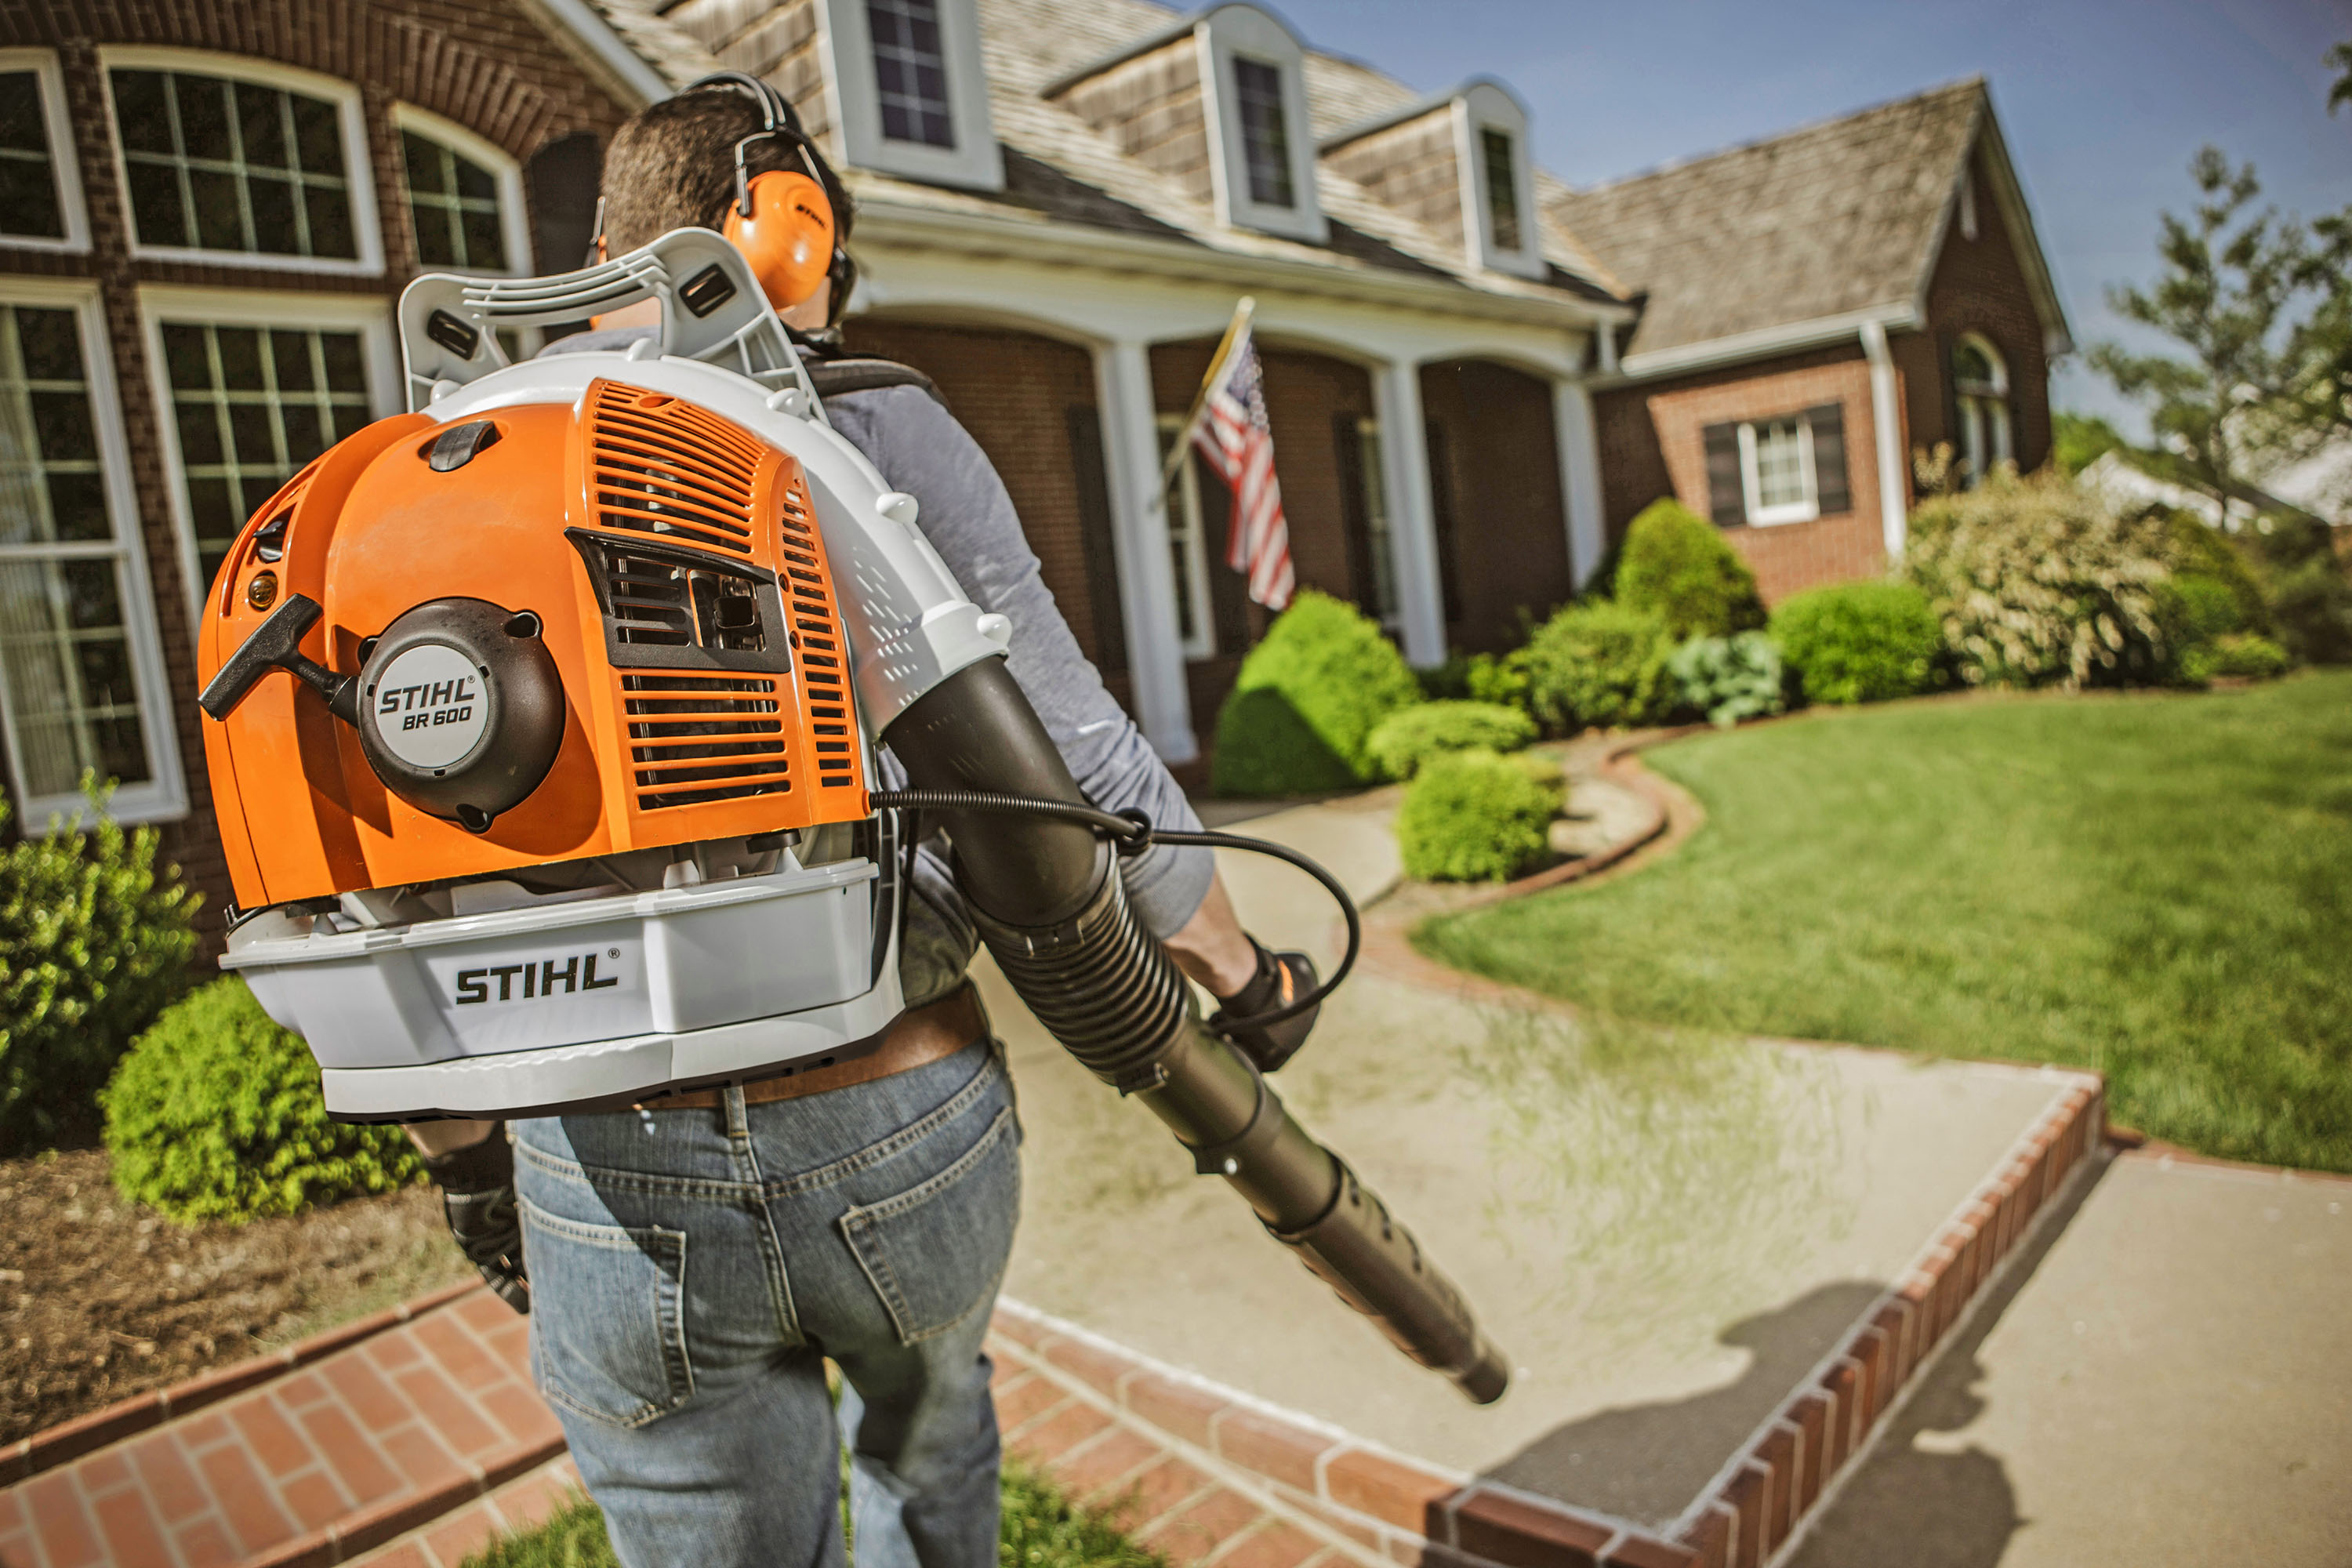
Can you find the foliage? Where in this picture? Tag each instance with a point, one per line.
(2152, 887)
(1859, 642)
(1498, 678)
(1676, 566)
(215, 1114)
(2196, 610)
(1411, 736)
(1475, 816)
(2078, 440)
(2037, 582)
(2246, 656)
(1039, 1527)
(1308, 698)
(1600, 664)
(2201, 550)
(2308, 597)
(94, 941)
(1726, 680)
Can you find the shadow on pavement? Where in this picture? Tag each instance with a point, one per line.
(1922, 1500)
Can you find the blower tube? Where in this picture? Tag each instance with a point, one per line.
(1048, 898)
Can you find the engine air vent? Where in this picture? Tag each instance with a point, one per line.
(698, 737)
(816, 628)
(670, 608)
(660, 466)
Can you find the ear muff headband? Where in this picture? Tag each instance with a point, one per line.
(787, 237)
(784, 223)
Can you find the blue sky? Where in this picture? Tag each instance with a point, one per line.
(2103, 101)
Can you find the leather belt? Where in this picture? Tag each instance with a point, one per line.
(915, 1039)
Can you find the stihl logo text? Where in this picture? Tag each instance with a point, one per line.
(527, 982)
(424, 706)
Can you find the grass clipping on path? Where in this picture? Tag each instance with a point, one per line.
(2157, 887)
(1042, 1529)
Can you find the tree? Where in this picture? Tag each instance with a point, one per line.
(2231, 278)
(2078, 440)
(2340, 60)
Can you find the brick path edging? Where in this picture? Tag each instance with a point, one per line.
(86, 1434)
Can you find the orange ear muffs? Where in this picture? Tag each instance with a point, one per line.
(788, 238)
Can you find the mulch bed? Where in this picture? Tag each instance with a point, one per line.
(101, 1299)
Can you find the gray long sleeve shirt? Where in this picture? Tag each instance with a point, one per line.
(920, 448)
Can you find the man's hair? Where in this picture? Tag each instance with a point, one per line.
(672, 166)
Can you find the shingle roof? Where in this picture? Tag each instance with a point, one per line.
(1059, 167)
(1820, 221)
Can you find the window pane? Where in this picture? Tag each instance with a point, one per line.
(1779, 465)
(65, 667)
(1502, 190)
(1265, 139)
(51, 487)
(453, 205)
(233, 166)
(910, 72)
(28, 187)
(263, 390)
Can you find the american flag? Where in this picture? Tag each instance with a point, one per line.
(1233, 435)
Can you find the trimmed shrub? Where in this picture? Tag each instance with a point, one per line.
(1307, 699)
(1859, 642)
(1601, 664)
(2246, 655)
(94, 941)
(1408, 736)
(1726, 680)
(1676, 566)
(1475, 816)
(2202, 552)
(2036, 582)
(216, 1115)
(1498, 678)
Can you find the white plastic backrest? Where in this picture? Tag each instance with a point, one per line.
(713, 310)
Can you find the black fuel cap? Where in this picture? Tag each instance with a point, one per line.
(461, 709)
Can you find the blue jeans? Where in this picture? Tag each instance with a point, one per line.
(689, 1280)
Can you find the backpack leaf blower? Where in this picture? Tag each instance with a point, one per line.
(542, 726)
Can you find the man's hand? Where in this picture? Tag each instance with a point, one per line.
(1281, 979)
(477, 1195)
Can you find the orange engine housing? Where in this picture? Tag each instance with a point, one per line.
(622, 523)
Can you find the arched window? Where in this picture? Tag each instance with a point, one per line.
(1980, 402)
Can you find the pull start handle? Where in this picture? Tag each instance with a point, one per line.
(276, 645)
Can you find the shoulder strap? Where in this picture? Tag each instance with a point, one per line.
(836, 377)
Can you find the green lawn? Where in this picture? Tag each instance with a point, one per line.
(1043, 1529)
(2157, 886)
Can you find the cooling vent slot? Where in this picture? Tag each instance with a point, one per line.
(680, 609)
(816, 630)
(698, 737)
(659, 466)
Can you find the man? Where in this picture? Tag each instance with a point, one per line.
(692, 1265)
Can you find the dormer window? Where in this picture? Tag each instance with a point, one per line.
(1266, 141)
(913, 99)
(1502, 188)
(464, 197)
(910, 72)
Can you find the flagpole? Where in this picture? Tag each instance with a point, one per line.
(1244, 309)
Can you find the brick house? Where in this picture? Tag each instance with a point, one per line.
(1815, 309)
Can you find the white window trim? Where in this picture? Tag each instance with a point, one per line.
(368, 314)
(514, 220)
(1487, 105)
(164, 796)
(1751, 489)
(359, 168)
(1244, 29)
(975, 162)
(1184, 507)
(1968, 203)
(1982, 411)
(65, 164)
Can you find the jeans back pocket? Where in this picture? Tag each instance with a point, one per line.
(608, 1317)
(937, 1250)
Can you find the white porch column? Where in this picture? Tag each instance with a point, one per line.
(1580, 476)
(1147, 574)
(1886, 421)
(1412, 517)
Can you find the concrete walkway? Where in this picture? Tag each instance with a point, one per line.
(2167, 1381)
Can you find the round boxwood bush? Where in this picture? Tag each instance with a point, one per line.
(1408, 736)
(94, 940)
(1475, 816)
(1600, 664)
(2243, 655)
(1307, 699)
(1859, 642)
(1676, 565)
(215, 1114)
